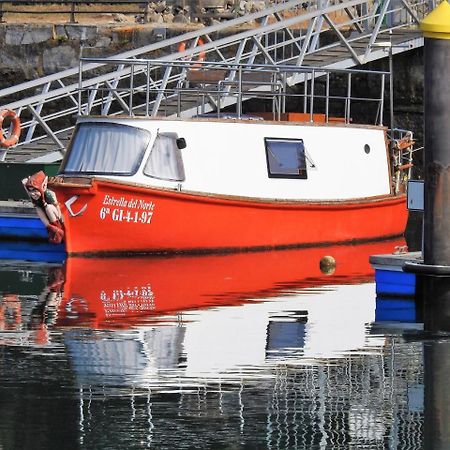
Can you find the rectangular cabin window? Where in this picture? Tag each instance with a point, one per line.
(285, 158)
(165, 161)
(106, 148)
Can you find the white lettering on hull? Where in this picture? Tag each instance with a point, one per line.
(132, 210)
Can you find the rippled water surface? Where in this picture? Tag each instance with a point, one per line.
(266, 350)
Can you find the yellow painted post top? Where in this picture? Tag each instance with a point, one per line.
(437, 24)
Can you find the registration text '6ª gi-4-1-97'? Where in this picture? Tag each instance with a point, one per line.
(130, 210)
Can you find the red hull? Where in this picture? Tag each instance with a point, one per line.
(100, 292)
(118, 218)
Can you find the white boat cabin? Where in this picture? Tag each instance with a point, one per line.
(246, 158)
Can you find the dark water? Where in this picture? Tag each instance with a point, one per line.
(259, 351)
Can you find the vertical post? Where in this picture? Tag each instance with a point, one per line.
(348, 100)
(239, 96)
(305, 93)
(311, 104)
(147, 92)
(130, 100)
(72, 12)
(436, 28)
(391, 97)
(219, 90)
(80, 82)
(381, 105)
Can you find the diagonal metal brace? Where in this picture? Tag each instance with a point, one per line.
(46, 128)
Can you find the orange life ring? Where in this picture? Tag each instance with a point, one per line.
(15, 133)
(201, 56)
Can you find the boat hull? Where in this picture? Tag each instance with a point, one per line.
(115, 218)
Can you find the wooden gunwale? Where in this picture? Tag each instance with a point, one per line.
(234, 199)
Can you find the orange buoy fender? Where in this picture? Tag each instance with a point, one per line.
(201, 55)
(15, 133)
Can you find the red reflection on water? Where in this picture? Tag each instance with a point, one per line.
(119, 292)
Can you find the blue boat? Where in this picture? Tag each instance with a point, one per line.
(22, 226)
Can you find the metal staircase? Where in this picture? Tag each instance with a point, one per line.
(327, 34)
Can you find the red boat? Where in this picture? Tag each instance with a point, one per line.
(220, 184)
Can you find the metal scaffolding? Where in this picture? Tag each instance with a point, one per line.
(327, 34)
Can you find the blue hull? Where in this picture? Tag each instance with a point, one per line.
(395, 283)
(22, 227)
(24, 237)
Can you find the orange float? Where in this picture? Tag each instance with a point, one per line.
(201, 55)
(15, 133)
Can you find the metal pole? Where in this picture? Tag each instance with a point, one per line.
(72, 12)
(436, 27)
(147, 92)
(381, 105)
(239, 96)
(349, 96)
(305, 93)
(80, 81)
(391, 98)
(311, 104)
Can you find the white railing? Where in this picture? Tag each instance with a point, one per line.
(329, 34)
(218, 89)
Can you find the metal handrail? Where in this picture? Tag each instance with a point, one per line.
(71, 5)
(72, 8)
(284, 35)
(139, 95)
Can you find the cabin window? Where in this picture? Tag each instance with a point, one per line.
(106, 148)
(165, 161)
(285, 158)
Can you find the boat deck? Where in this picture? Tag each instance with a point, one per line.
(394, 261)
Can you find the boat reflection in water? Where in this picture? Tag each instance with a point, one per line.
(142, 321)
(262, 350)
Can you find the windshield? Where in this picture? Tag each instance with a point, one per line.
(165, 161)
(106, 148)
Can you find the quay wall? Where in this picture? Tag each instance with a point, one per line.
(29, 51)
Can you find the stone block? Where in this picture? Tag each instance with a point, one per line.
(103, 42)
(60, 30)
(59, 58)
(25, 35)
(81, 32)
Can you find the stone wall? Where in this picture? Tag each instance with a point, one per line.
(32, 51)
